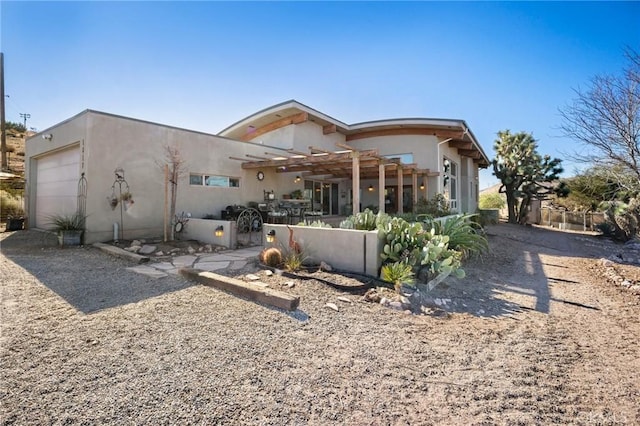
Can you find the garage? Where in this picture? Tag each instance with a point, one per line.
(56, 186)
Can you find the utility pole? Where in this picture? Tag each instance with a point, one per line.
(25, 116)
(3, 140)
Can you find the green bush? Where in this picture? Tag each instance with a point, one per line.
(11, 206)
(492, 201)
(438, 206)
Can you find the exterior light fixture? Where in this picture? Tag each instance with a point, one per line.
(271, 236)
(422, 185)
(219, 232)
(297, 179)
(47, 136)
(370, 188)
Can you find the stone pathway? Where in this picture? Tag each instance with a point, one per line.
(234, 259)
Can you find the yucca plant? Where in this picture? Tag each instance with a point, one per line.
(293, 260)
(397, 273)
(67, 222)
(465, 235)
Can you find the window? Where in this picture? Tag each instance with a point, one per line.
(214, 181)
(451, 182)
(405, 158)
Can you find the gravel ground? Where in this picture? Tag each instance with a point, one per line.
(534, 335)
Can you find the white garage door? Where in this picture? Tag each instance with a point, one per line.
(57, 185)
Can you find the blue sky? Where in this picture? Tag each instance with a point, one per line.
(205, 65)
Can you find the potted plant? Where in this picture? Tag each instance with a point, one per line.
(113, 201)
(297, 194)
(127, 199)
(69, 228)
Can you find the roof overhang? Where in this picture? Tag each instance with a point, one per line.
(293, 112)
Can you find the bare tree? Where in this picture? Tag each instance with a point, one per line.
(605, 120)
(175, 163)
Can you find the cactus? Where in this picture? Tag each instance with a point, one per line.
(271, 257)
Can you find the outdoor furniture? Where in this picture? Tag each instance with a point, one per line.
(278, 216)
(312, 215)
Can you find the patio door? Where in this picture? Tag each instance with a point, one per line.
(324, 196)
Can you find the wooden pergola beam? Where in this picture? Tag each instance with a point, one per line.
(308, 160)
(283, 122)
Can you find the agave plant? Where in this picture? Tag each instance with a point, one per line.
(397, 273)
(464, 234)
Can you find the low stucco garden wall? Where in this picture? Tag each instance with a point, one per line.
(347, 249)
(203, 230)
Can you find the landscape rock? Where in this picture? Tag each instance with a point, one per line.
(252, 277)
(290, 284)
(324, 266)
(268, 272)
(344, 299)
(160, 253)
(396, 305)
(133, 249)
(332, 306)
(191, 250)
(147, 249)
(136, 243)
(606, 262)
(371, 296)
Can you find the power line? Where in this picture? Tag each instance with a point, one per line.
(25, 116)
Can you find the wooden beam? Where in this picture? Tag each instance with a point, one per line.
(315, 148)
(329, 128)
(306, 161)
(457, 143)
(381, 183)
(355, 186)
(403, 131)
(469, 153)
(283, 122)
(256, 156)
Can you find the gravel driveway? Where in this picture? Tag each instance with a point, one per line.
(533, 336)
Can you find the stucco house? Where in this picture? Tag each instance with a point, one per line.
(340, 168)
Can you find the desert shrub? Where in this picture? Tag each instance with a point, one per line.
(492, 201)
(397, 273)
(293, 260)
(11, 206)
(438, 206)
(66, 222)
(623, 220)
(465, 235)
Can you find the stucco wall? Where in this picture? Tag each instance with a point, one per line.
(346, 249)
(310, 134)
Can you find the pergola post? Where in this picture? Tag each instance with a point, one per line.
(400, 188)
(414, 186)
(381, 181)
(355, 178)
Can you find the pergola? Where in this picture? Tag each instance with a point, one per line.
(347, 163)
